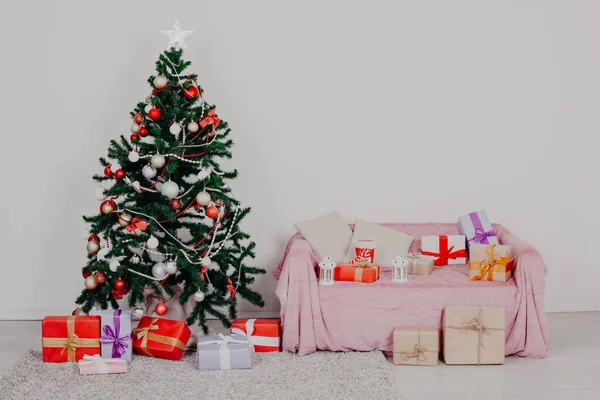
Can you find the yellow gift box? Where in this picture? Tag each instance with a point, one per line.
(490, 262)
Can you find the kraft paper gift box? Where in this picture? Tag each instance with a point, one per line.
(263, 334)
(476, 227)
(474, 335)
(68, 339)
(416, 346)
(490, 262)
(419, 264)
(116, 338)
(446, 249)
(360, 272)
(224, 352)
(96, 365)
(161, 338)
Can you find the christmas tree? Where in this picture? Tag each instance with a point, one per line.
(168, 217)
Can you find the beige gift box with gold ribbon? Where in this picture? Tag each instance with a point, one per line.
(474, 335)
(416, 346)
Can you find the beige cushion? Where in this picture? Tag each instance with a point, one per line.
(328, 235)
(389, 242)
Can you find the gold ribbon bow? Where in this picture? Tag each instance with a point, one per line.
(72, 342)
(145, 335)
(358, 271)
(487, 266)
(418, 354)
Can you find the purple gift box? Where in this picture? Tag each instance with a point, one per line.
(224, 352)
(115, 334)
(476, 227)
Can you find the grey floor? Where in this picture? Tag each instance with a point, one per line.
(571, 371)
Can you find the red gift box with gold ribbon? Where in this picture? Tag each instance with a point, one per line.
(360, 272)
(69, 338)
(161, 338)
(263, 333)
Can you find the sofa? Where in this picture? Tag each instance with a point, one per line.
(349, 316)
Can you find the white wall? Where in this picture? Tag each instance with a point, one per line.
(385, 110)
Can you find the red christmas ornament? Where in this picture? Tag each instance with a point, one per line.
(197, 207)
(107, 171)
(175, 204)
(85, 272)
(138, 119)
(212, 212)
(135, 137)
(191, 92)
(119, 284)
(108, 206)
(94, 238)
(143, 131)
(100, 278)
(120, 174)
(161, 309)
(154, 114)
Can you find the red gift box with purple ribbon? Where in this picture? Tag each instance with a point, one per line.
(115, 334)
(476, 227)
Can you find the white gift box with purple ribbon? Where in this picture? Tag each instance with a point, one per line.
(224, 352)
(115, 334)
(476, 227)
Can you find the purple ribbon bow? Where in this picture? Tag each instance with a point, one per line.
(112, 336)
(481, 235)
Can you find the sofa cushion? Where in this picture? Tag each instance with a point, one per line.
(328, 235)
(390, 242)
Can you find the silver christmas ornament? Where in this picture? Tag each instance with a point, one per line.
(169, 189)
(205, 261)
(148, 108)
(160, 82)
(90, 283)
(158, 161)
(193, 127)
(199, 296)
(138, 313)
(175, 129)
(93, 247)
(158, 270)
(149, 171)
(171, 268)
(135, 128)
(79, 312)
(134, 156)
(114, 265)
(124, 219)
(152, 243)
(203, 198)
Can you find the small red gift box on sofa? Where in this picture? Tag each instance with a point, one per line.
(264, 334)
(161, 338)
(68, 339)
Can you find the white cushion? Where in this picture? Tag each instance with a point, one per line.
(389, 242)
(328, 235)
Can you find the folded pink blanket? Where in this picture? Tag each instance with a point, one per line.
(357, 316)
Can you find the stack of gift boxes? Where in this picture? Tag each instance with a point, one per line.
(104, 344)
(476, 245)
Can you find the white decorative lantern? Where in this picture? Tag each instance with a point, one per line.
(326, 267)
(399, 269)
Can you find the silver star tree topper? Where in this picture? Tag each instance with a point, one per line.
(177, 36)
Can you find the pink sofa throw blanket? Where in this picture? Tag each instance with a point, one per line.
(357, 316)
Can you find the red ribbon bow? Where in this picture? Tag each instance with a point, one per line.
(445, 253)
(230, 288)
(211, 119)
(137, 223)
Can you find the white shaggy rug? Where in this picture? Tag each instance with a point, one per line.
(321, 375)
